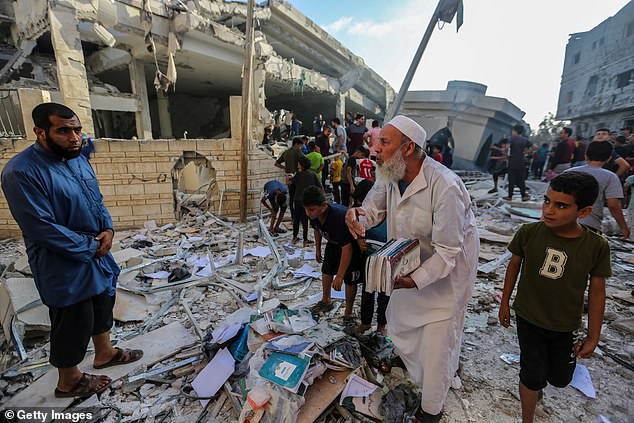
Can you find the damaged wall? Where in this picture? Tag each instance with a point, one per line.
(597, 82)
(135, 176)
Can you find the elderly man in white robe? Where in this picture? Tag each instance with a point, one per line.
(426, 201)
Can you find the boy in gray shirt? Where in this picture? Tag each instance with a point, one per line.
(597, 154)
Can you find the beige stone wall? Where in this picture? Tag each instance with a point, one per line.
(136, 180)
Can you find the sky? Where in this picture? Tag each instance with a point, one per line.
(515, 47)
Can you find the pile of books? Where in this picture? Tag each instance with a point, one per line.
(398, 257)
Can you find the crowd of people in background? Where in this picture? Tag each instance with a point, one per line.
(607, 155)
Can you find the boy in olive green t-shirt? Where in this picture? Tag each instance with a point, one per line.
(556, 256)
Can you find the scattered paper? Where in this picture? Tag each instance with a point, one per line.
(158, 275)
(302, 321)
(510, 358)
(357, 387)
(603, 419)
(198, 261)
(205, 271)
(253, 296)
(307, 271)
(225, 332)
(335, 295)
(310, 255)
(214, 375)
(295, 254)
(258, 251)
(582, 381)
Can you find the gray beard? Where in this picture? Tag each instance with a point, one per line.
(391, 170)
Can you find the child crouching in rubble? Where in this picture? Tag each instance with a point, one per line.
(342, 258)
(554, 258)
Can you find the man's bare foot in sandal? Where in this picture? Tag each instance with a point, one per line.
(84, 385)
(116, 357)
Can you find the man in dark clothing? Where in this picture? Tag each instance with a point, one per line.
(579, 154)
(539, 160)
(355, 133)
(323, 142)
(498, 162)
(564, 152)
(318, 125)
(274, 199)
(622, 149)
(302, 180)
(54, 196)
(290, 158)
(517, 164)
(349, 172)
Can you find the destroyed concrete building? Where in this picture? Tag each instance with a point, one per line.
(166, 77)
(597, 83)
(474, 119)
(105, 58)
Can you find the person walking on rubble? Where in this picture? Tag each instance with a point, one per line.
(55, 199)
(424, 200)
(554, 259)
(498, 162)
(290, 159)
(518, 146)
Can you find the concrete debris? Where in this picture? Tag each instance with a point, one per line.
(19, 299)
(239, 308)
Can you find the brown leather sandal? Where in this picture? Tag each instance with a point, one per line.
(123, 356)
(87, 386)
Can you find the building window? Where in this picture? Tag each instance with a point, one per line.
(576, 58)
(629, 29)
(629, 121)
(624, 79)
(568, 98)
(591, 89)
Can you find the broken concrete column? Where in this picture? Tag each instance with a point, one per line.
(235, 116)
(69, 58)
(340, 108)
(29, 98)
(165, 119)
(139, 88)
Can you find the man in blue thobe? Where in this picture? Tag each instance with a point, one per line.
(54, 196)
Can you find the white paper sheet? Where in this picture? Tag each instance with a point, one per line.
(214, 375)
(225, 332)
(307, 271)
(357, 387)
(295, 254)
(158, 275)
(582, 381)
(310, 255)
(258, 251)
(335, 295)
(253, 296)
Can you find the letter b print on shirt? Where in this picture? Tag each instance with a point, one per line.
(554, 264)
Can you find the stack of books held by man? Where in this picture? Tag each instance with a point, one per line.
(398, 257)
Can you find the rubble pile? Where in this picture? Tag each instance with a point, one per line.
(225, 309)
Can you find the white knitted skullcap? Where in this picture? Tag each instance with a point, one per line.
(410, 129)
